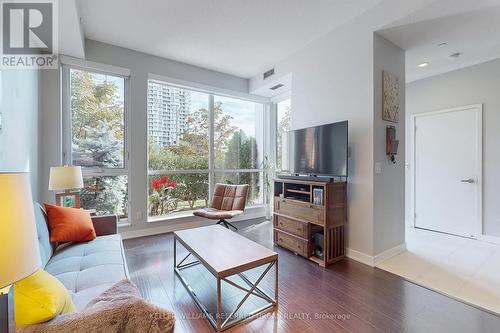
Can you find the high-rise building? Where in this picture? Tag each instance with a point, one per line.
(168, 108)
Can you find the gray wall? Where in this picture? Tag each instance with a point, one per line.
(471, 85)
(140, 66)
(388, 186)
(19, 135)
(50, 125)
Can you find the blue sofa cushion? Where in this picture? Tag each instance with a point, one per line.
(87, 269)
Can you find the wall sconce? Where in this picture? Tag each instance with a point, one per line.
(391, 144)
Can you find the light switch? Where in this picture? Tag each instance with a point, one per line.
(378, 167)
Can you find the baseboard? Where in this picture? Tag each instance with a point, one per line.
(387, 254)
(360, 256)
(490, 239)
(379, 258)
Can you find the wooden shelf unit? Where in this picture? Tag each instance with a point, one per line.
(296, 218)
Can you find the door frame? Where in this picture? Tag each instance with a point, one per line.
(478, 108)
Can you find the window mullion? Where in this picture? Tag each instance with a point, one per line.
(211, 143)
(66, 117)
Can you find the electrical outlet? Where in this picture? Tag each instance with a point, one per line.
(378, 167)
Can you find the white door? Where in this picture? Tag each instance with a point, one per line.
(448, 171)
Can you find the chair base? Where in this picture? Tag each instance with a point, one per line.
(227, 224)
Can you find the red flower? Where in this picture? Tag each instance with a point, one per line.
(172, 184)
(164, 180)
(155, 184)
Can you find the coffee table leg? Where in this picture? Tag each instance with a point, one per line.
(219, 305)
(175, 253)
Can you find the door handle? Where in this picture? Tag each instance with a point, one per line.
(470, 181)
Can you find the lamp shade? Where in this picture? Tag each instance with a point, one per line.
(19, 251)
(65, 178)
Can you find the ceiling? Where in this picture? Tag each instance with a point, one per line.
(238, 37)
(469, 27)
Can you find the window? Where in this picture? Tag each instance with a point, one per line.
(283, 126)
(238, 144)
(196, 139)
(238, 133)
(96, 137)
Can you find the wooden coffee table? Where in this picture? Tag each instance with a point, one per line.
(225, 253)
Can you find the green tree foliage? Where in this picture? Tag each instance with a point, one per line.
(93, 102)
(106, 195)
(99, 148)
(284, 126)
(241, 153)
(97, 132)
(191, 153)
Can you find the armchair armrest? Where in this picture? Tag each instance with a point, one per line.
(105, 225)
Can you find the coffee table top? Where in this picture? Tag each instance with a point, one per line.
(224, 252)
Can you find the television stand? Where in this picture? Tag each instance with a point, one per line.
(310, 217)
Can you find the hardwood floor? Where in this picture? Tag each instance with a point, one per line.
(345, 297)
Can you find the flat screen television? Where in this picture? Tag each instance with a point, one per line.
(320, 150)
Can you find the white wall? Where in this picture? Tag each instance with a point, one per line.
(19, 133)
(389, 185)
(471, 85)
(333, 79)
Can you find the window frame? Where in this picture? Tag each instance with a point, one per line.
(88, 172)
(212, 169)
(279, 99)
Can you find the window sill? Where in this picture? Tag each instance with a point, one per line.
(125, 223)
(250, 212)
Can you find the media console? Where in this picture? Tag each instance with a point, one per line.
(310, 218)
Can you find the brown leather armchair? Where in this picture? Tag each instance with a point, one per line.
(228, 201)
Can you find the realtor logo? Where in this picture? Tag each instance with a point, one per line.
(29, 34)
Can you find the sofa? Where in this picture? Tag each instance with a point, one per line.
(85, 269)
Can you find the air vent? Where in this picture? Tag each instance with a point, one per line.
(268, 73)
(277, 86)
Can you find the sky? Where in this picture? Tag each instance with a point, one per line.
(242, 112)
(118, 81)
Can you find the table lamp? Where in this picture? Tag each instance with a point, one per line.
(19, 252)
(66, 178)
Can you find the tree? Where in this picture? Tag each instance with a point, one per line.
(98, 148)
(195, 139)
(92, 102)
(105, 194)
(241, 153)
(191, 153)
(284, 126)
(98, 133)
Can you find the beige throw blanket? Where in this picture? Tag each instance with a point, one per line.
(119, 309)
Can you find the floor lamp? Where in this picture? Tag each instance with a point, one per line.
(19, 252)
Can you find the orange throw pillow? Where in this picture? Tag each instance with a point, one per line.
(69, 224)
